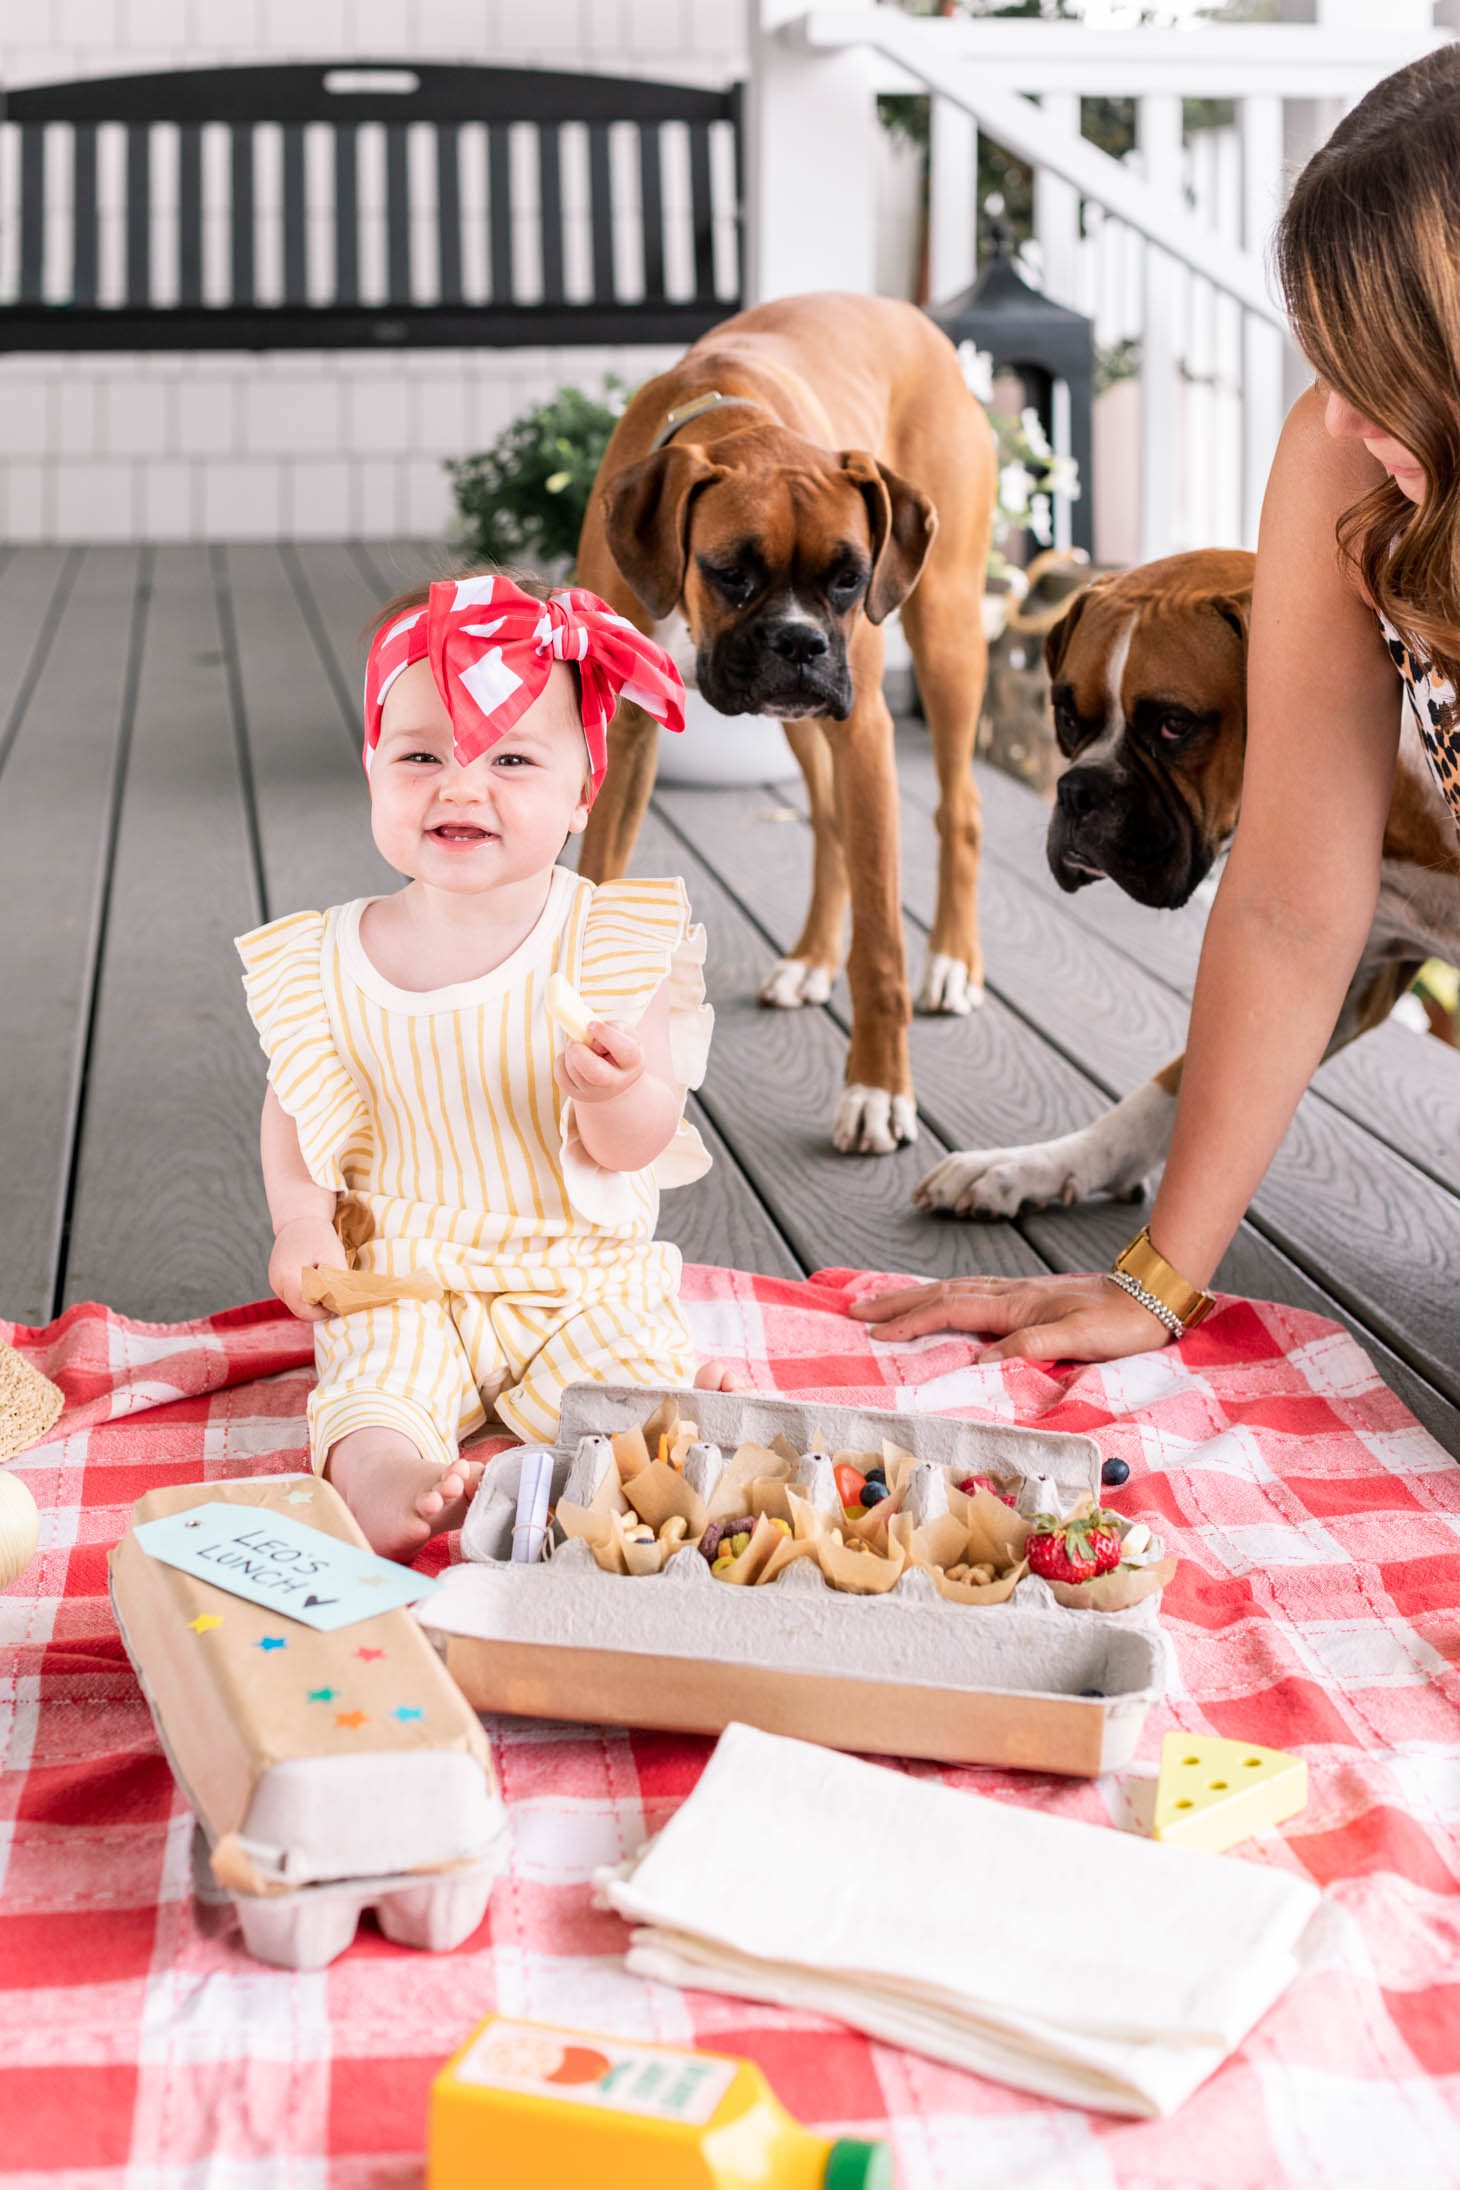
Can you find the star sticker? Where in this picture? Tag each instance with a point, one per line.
(299, 1498)
(192, 1524)
(368, 1655)
(204, 1621)
(351, 1718)
(404, 1711)
(272, 1642)
(323, 1695)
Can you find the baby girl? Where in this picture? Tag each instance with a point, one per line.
(425, 1120)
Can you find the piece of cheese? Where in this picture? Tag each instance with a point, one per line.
(567, 1007)
(1211, 1793)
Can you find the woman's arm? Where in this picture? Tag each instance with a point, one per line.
(1290, 919)
(302, 1212)
(1297, 899)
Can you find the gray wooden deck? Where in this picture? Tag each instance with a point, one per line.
(179, 761)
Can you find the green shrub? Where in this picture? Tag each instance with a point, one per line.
(524, 499)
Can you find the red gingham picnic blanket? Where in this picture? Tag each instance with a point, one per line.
(1315, 1609)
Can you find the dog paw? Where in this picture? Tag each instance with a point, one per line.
(871, 1121)
(999, 1182)
(948, 988)
(793, 982)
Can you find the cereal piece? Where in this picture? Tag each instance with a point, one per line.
(567, 1008)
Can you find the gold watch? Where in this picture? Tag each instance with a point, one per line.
(1149, 1278)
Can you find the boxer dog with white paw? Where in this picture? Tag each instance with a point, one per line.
(808, 467)
(1148, 688)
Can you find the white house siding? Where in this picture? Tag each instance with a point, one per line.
(297, 444)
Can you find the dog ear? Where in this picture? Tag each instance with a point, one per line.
(1059, 635)
(1057, 638)
(1236, 610)
(903, 522)
(646, 510)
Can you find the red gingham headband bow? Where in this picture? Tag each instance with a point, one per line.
(492, 647)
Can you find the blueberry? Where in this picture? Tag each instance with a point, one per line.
(874, 1490)
(1114, 1473)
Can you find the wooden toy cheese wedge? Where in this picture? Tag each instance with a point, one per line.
(1211, 1792)
(329, 1772)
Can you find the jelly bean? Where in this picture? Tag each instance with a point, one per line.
(874, 1490)
(783, 1526)
(853, 1513)
(849, 1481)
(739, 1543)
(1114, 1473)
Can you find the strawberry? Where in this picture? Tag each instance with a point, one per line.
(972, 1483)
(1074, 1551)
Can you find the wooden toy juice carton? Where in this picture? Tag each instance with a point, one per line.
(523, 2105)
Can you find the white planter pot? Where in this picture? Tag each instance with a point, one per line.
(724, 749)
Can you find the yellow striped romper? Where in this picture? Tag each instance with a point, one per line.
(436, 1119)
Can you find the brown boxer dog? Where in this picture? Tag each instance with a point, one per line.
(1148, 689)
(762, 508)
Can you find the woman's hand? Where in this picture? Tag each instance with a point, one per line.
(297, 1244)
(607, 1065)
(1080, 1318)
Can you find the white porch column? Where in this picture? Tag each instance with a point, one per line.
(952, 201)
(1158, 139)
(1268, 363)
(809, 172)
(1057, 210)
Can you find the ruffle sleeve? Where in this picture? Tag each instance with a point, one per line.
(283, 981)
(637, 935)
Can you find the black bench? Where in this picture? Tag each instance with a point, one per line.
(51, 306)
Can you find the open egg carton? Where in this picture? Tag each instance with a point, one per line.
(998, 1673)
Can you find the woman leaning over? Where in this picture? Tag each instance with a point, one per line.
(1358, 574)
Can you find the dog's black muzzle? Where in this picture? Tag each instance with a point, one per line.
(787, 666)
(1130, 826)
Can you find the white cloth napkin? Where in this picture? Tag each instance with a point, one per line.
(1072, 1960)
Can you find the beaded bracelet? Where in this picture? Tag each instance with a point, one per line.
(1158, 1308)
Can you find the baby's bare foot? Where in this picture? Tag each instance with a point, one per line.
(713, 1376)
(399, 1497)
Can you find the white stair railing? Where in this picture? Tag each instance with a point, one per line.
(1167, 249)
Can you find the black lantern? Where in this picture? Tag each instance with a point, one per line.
(1041, 342)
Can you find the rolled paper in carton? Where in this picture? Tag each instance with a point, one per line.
(534, 1491)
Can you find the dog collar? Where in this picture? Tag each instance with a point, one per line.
(714, 401)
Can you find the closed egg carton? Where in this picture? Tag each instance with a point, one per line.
(304, 1818)
(311, 1926)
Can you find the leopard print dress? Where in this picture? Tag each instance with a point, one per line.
(1436, 711)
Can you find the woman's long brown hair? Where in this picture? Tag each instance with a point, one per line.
(1368, 254)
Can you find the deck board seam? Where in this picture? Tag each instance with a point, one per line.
(91, 1000)
(315, 625)
(237, 708)
(30, 676)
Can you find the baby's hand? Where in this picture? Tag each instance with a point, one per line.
(302, 1241)
(608, 1064)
